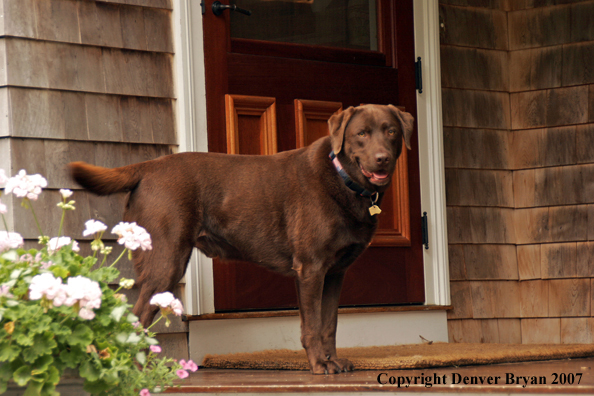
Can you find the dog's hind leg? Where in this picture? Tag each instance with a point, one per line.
(158, 271)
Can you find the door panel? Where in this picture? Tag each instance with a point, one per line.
(304, 85)
(255, 118)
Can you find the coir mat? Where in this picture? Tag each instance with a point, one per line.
(411, 356)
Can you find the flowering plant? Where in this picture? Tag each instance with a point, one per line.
(58, 312)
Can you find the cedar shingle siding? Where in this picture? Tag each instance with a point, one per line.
(518, 104)
(85, 80)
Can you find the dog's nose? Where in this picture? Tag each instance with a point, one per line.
(382, 158)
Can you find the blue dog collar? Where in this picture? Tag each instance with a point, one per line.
(350, 183)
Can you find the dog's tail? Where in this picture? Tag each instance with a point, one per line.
(105, 181)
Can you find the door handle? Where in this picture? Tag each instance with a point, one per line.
(218, 8)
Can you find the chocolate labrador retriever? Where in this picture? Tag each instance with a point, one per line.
(307, 213)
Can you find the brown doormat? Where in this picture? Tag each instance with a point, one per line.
(406, 356)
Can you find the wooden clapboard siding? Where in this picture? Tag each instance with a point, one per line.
(85, 80)
(519, 169)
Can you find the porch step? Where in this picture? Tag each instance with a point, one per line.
(548, 377)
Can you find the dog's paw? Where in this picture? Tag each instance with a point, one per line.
(332, 366)
(344, 364)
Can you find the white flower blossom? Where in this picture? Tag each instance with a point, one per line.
(45, 285)
(132, 236)
(26, 186)
(93, 227)
(55, 244)
(10, 240)
(84, 291)
(86, 313)
(168, 302)
(66, 193)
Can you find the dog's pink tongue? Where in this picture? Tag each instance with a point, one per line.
(380, 175)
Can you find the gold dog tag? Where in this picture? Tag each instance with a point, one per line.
(374, 209)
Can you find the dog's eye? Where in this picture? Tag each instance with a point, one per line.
(391, 132)
(362, 133)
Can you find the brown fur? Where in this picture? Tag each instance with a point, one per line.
(290, 212)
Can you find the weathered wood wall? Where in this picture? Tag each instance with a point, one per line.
(85, 80)
(518, 95)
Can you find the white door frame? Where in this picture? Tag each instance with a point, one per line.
(191, 126)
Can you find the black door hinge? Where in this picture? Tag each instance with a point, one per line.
(419, 75)
(425, 230)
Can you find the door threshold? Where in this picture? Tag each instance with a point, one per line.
(295, 312)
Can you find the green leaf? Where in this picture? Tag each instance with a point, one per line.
(5, 372)
(151, 341)
(24, 339)
(60, 272)
(42, 345)
(132, 318)
(34, 389)
(42, 364)
(89, 371)
(133, 338)
(22, 375)
(71, 358)
(96, 387)
(82, 335)
(118, 312)
(53, 375)
(3, 386)
(41, 325)
(141, 357)
(9, 352)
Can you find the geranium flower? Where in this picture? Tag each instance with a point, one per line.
(55, 244)
(168, 302)
(84, 291)
(145, 392)
(45, 285)
(10, 240)
(25, 186)
(182, 374)
(132, 236)
(93, 227)
(66, 193)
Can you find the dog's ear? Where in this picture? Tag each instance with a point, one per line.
(406, 123)
(337, 125)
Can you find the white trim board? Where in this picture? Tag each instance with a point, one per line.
(431, 162)
(220, 336)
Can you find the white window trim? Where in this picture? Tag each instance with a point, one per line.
(191, 127)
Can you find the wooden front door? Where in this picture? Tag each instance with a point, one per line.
(272, 81)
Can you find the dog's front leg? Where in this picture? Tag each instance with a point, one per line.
(330, 299)
(310, 285)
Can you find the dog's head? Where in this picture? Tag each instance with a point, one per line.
(370, 140)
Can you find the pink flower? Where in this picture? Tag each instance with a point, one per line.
(10, 240)
(23, 185)
(132, 236)
(94, 227)
(182, 374)
(145, 392)
(189, 365)
(5, 289)
(155, 349)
